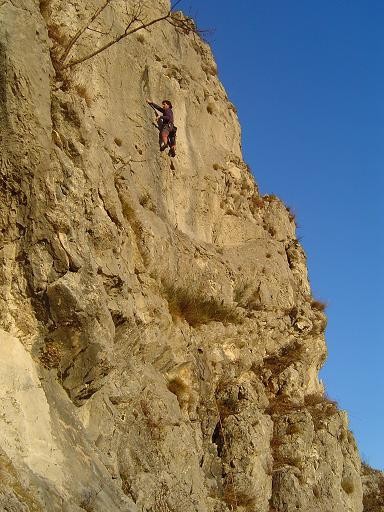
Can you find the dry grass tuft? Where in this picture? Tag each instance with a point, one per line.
(43, 6)
(287, 356)
(348, 485)
(50, 355)
(257, 201)
(291, 214)
(57, 35)
(320, 408)
(191, 305)
(82, 91)
(269, 198)
(318, 305)
(247, 296)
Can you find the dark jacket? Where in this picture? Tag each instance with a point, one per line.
(167, 117)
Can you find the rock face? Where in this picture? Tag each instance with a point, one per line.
(159, 342)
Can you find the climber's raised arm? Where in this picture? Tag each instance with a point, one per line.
(155, 106)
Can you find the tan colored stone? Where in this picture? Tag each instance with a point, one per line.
(160, 347)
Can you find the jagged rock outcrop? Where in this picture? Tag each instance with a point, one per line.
(160, 345)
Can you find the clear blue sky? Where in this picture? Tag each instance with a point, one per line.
(307, 78)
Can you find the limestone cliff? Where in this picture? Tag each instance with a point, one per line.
(159, 342)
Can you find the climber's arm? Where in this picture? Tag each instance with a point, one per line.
(157, 107)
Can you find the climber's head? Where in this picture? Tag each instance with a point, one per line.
(166, 104)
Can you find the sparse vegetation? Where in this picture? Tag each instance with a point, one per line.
(190, 305)
(88, 497)
(146, 202)
(257, 201)
(319, 406)
(210, 69)
(247, 296)
(291, 214)
(318, 305)
(82, 91)
(348, 485)
(287, 356)
(50, 355)
(269, 198)
(140, 38)
(373, 494)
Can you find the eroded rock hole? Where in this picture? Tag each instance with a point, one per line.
(218, 438)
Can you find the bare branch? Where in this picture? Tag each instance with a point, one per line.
(117, 39)
(83, 29)
(100, 31)
(181, 23)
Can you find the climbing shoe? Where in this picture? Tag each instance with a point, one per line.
(172, 152)
(163, 147)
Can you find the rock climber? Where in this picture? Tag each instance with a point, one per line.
(167, 129)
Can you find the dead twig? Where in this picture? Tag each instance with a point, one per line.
(83, 29)
(185, 25)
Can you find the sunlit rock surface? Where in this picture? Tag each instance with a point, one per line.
(159, 342)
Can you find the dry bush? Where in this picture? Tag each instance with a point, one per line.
(50, 355)
(247, 297)
(210, 69)
(320, 408)
(287, 356)
(291, 214)
(230, 496)
(318, 305)
(279, 407)
(269, 198)
(190, 304)
(88, 497)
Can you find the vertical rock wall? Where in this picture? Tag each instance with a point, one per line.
(159, 342)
